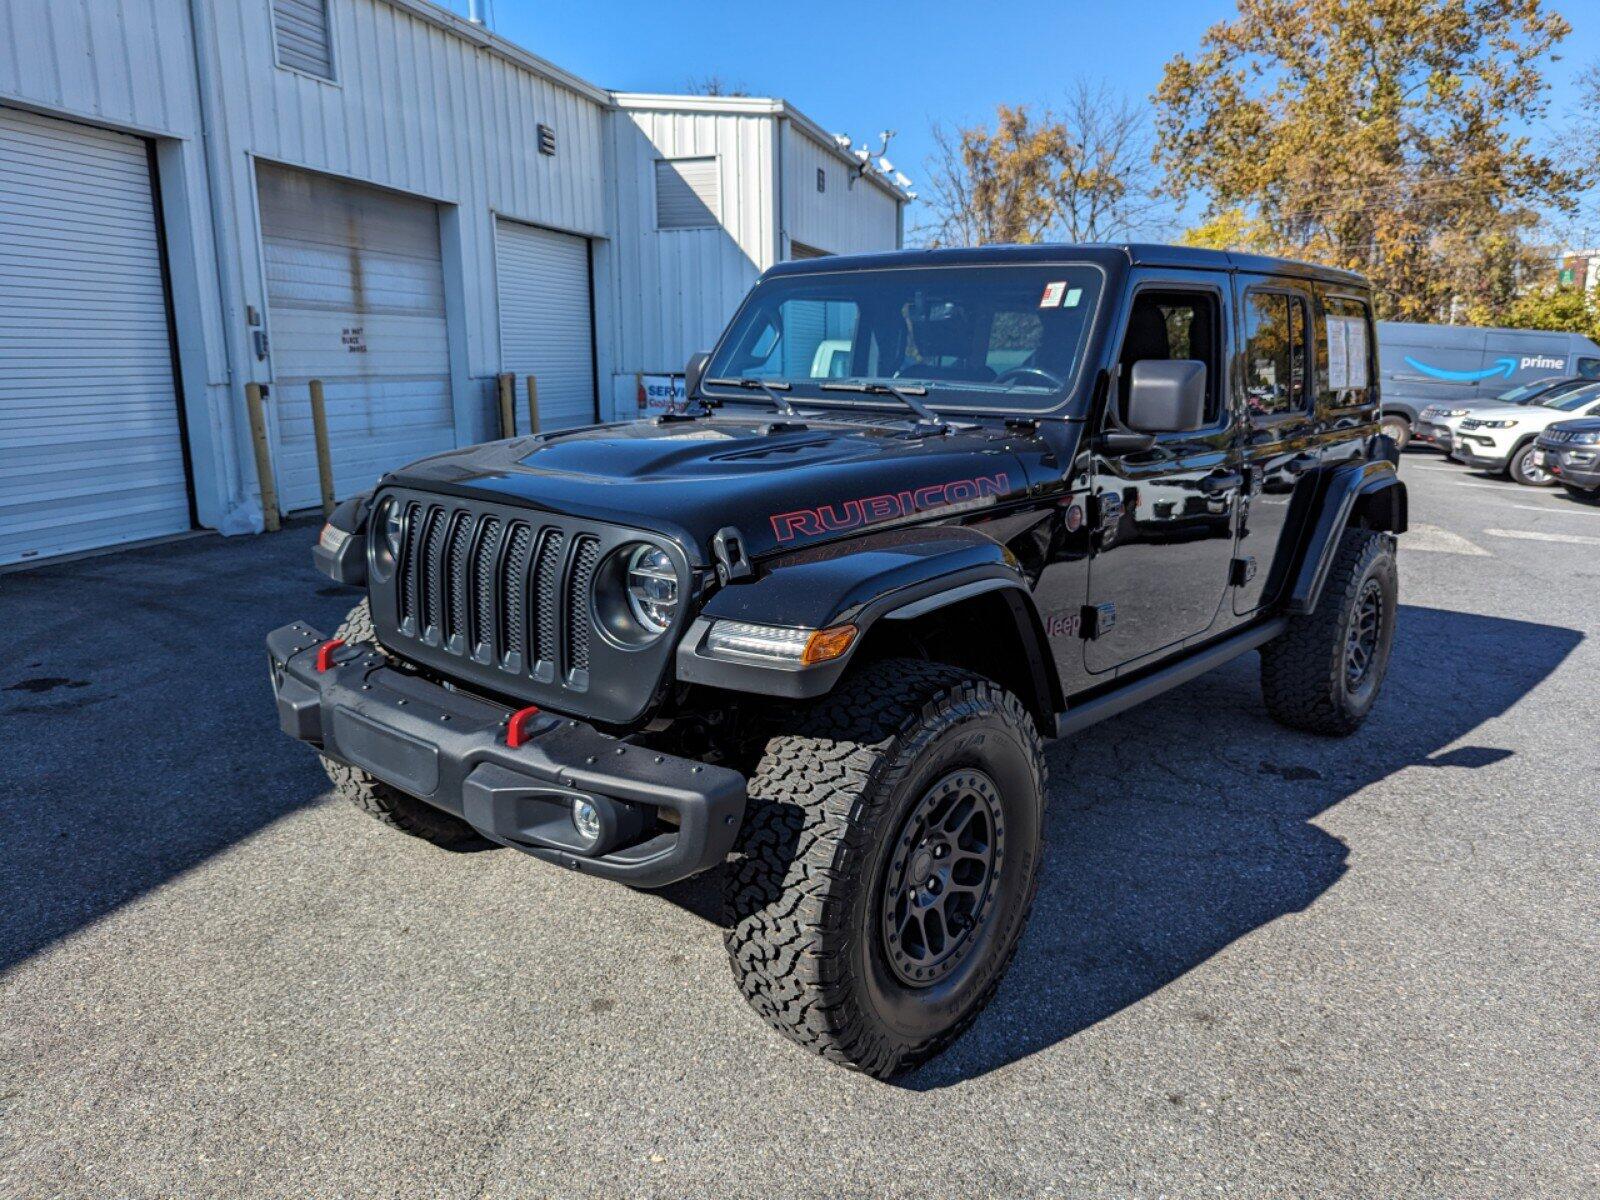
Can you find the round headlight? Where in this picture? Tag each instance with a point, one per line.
(652, 588)
(393, 524)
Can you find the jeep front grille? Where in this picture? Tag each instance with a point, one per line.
(490, 591)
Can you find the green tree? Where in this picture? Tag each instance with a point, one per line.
(1566, 309)
(1378, 135)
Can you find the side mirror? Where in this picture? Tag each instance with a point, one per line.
(693, 372)
(1166, 396)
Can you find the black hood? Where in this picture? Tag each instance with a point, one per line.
(781, 483)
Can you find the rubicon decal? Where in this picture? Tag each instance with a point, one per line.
(890, 506)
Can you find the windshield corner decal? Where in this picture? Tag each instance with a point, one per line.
(888, 507)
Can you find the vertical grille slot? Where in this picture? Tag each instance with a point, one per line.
(456, 584)
(546, 592)
(481, 608)
(432, 565)
(409, 550)
(576, 607)
(511, 596)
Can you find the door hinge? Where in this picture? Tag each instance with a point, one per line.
(1096, 619)
(1241, 571)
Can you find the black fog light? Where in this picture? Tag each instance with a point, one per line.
(600, 825)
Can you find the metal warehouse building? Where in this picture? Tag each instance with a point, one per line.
(196, 195)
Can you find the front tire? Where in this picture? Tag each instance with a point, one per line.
(1323, 674)
(890, 857)
(376, 798)
(1522, 470)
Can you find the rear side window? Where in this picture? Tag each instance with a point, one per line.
(1276, 354)
(1588, 368)
(1345, 352)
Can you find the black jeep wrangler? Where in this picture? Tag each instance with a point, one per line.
(924, 511)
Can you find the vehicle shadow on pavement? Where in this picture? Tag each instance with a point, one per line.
(1171, 837)
(137, 731)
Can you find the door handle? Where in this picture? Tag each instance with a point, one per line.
(1218, 482)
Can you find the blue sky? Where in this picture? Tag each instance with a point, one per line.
(862, 67)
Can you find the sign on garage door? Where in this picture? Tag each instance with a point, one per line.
(545, 323)
(91, 453)
(355, 296)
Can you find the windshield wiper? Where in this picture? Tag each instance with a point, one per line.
(906, 395)
(748, 384)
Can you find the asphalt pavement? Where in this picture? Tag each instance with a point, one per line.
(1262, 963)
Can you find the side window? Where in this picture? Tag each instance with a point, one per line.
(1275, 354)
(1588, 368)
(1345, 352)
(1176, 325)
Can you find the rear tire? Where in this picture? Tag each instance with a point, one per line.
(376, 798)
(1323, 674)
(1398, 429)
(889, 860)
(1522, 470)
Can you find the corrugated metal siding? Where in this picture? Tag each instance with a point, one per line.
(127, 63)
(422, 111)
(675, 289)
(847, 218)
(304, 41)
(546, 328)
(90, 451)
(355, 297)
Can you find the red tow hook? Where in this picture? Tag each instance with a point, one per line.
(514, 731)
(325, 653)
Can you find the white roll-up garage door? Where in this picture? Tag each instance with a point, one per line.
(355, 296)
(91, 453)
(546, 327)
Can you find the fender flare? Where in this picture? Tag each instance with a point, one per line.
(1370, 494)
(893, 575)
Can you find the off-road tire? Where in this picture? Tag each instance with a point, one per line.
(376, 798)
(1398, 429)
(830, 802)
(1518, 469)
(1304, 670)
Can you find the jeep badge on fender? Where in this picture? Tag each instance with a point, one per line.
(912, 523)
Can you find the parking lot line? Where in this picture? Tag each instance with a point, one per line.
(1529, 535)
(1559, 509)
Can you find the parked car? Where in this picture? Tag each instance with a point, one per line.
(1436, 424)
(1502, 439)
(1460, 366)
(824, 620)
(1570, 451)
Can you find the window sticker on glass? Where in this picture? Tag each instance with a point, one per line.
(1073, 296)
(1053, 292)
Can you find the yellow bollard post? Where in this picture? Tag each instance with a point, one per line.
(508, 412)
(319, 431)
(258, 435)
(533, 404)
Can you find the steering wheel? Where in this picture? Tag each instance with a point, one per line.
(1034, 375)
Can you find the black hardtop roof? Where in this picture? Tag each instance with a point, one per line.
(1121, 254)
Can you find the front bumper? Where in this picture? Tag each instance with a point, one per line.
(1577, 468)
(1479, 452)
(1432, 434)
(449, 749)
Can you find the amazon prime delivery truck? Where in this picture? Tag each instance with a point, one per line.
(1421, 365)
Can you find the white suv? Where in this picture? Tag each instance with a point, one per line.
(1500, 438)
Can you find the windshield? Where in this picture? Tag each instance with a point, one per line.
(1572, 401)
(1524, 393)
(1002, 338)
